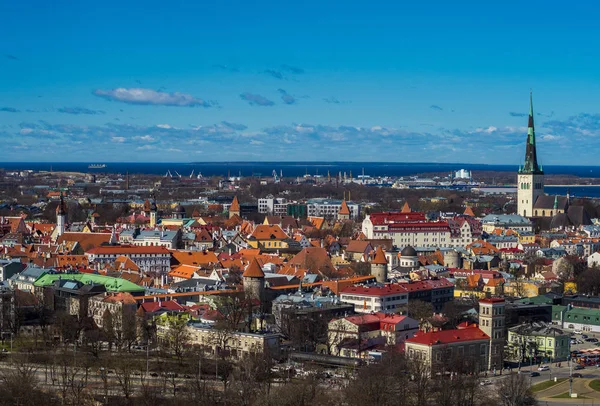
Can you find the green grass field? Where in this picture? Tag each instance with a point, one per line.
(595, 385)
(546, 384)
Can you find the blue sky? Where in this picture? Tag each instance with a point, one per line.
(316, 80)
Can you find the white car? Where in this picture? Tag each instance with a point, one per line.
(578, 332)
(544, 368)
(485, 382)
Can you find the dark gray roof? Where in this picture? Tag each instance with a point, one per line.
(408, 251)
(547, 202)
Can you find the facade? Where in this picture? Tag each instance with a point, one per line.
(276, 206)
(388, 299)
(353, 336)
(492, 322)
(412, 228)
(530, 179)
(538, 341)
(330, 208)
(121, 306)
(149, 259)
(235, 344)
(438, 350)
(151, 238)
(434, 291)
(507, 222)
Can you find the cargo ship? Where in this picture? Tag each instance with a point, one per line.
(96, 166)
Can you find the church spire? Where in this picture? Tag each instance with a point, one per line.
(531, 164)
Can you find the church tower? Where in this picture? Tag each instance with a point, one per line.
(530, 179)
(61, 217)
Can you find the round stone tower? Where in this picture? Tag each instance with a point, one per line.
(452, 259)
(379, 266)
(253, 280)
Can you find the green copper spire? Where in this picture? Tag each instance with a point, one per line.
(555, 202)
(531, 164)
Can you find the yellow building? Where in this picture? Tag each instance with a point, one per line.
(269, 237)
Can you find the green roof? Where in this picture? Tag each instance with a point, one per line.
(541, 299)
(583, 316)
(111, 284)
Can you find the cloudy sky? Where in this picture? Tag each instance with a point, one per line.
(313, 80)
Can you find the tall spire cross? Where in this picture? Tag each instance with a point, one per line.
(531, 164)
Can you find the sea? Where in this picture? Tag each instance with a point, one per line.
(294, 169)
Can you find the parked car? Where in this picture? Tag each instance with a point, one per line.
(544, 368)
(578, 367)
(592, 340)
(485, 382)
(534, 374)
(573, 342)
(577, 331)
(584, 336)
(577, 375)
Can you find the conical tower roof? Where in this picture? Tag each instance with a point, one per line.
(469, 212)
(406, 208)
(531, 163)
(379, 258)
(235, 204)
(253, 270)
(344, 209)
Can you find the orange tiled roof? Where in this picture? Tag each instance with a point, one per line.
(253, 270)
(194, 258)
(406, 208)
(269, 232)
(235, 205)
(379, 258)
(344, 210)
(86, 241)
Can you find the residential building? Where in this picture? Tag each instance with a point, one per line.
(155, 238)
(434, 291)
(149, 259)
(354, 336)
(439, 350)
(120, 306)
(235, 344)
(542, 342)
(390, 298)
(330, 208)
(506, 221)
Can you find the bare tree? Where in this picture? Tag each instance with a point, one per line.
(515, 391)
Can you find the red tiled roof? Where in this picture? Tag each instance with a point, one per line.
(492, 300)
(379, 258)
(449, 336)
(235, 205)
(253, 270)
(344, 210)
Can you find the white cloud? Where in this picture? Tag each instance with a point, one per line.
(153, 97)
(146, 147)
(551, 137)
(146, 137)
(118, 139)
(256, 142)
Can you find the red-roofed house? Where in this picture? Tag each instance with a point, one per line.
(482, 344)
(353, 336)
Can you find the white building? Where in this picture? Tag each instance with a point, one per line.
(150, 238)
(276, 206)
(413, 229)
(330, 208)
(387, 299)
